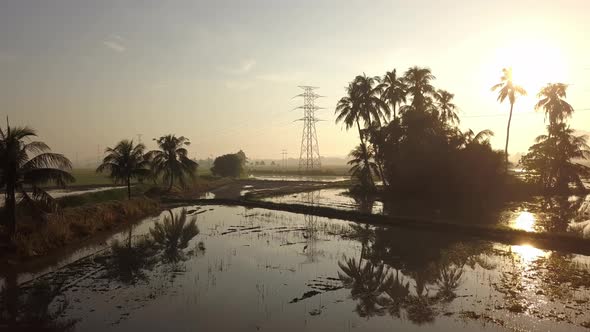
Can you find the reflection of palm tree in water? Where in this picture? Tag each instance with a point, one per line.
(449, 279)
(379, 290)
(368, 284)
(364, 203)
(30, 311)
(129, 261)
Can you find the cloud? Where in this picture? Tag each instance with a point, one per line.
(115, 43)
(244, 67)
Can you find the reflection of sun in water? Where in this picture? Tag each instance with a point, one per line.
(525, 221)
(528, 253)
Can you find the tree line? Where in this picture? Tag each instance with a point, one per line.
(410, 139)
(26, 165)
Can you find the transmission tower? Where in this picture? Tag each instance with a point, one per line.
(309, 157)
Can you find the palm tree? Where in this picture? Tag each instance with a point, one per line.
(28, 164)
(172, 161)
(362, 103)
(507, 89)
(552, 100)
(482, 137)
(417, 81)
(125, 162)
(359, 162)
(553, 157)
(394, 91)
(446, 107)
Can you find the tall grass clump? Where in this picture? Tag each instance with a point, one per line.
(77, 223)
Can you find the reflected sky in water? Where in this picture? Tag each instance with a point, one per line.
(254, 270)
(539, 214)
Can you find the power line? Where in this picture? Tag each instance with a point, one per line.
(485, 115)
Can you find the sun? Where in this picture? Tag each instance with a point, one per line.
(535, 62)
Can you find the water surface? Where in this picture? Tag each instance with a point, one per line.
(254, 269)
(539, 214)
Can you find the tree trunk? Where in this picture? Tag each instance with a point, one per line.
(128, 188)
(11, 293)
(394, 113)
(10, 209)
(171, 181)
(365, 154)
(508, 137)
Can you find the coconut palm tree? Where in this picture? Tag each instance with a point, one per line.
(362, 103)
(171, 160)
(125, 162)
(359, 162)
(394, 91)
(417, 81)
(552, 101)
(507, 89)
(445, 106)
(24, 166)
(553, 157)
(470, 138)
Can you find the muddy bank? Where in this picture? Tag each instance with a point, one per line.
(548, 241)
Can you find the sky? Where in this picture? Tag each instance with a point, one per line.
(86, 74)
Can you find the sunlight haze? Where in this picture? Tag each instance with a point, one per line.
(86, 74)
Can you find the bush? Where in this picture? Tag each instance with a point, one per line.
(229, 165)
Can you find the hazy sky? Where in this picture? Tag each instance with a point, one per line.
(89, 73)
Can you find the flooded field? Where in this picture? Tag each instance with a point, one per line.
(254, 269)
(541, 214)
(318, 178)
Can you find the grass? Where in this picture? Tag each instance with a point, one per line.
(89, 177)
(100, 196)
(78, 223)
(83, 215)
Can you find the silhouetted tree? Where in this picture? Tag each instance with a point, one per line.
(125, 162)
(229, 165)
(359, 162)
(552, 101)
(362, 103)
(393, 91)
(445, 106)
(417, 81)
(172, 161)
(24, 166)
(551, 160)
(507, 89)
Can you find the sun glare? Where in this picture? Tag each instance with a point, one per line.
(534, 63)
(525, 221)
(528, 253)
